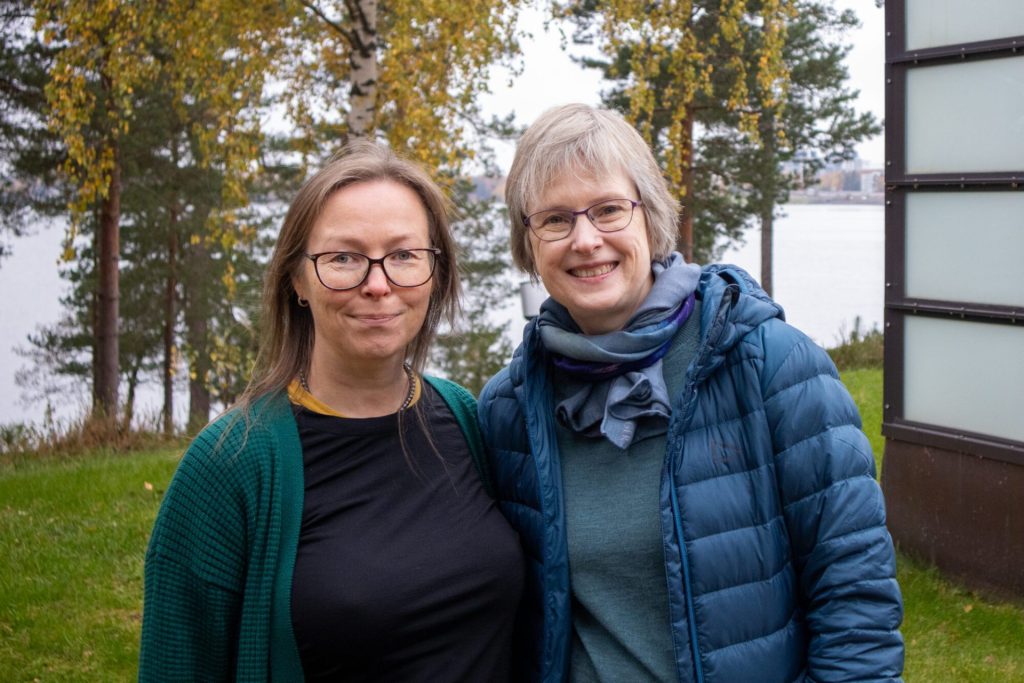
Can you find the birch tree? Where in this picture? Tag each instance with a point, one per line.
(409, 72)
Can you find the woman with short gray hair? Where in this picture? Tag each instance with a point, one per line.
(686, 471)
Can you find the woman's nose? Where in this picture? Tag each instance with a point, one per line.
(376, 282)
(585, 237)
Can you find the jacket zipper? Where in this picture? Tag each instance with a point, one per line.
(695, 649)
(678, 520)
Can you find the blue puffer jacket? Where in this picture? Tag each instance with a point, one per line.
(779, 564)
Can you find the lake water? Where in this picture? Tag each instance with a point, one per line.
(829, 267)
(829, 270)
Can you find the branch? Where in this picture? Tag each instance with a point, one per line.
(350, 36)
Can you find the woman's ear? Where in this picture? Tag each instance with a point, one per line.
(300, 289)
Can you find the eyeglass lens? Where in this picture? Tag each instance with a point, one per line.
(348, 269)
(607, 216)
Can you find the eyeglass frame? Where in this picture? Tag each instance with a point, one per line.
(370, 262)
(574, 215)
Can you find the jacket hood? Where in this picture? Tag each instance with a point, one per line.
(732, 305)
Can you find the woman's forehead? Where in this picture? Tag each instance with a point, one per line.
(576, 184)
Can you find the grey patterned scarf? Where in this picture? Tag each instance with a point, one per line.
(614, 381)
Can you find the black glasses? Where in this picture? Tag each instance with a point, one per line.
(610, 215)
(341, 270)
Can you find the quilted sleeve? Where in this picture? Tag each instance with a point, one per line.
(492, 419)
(834, 513)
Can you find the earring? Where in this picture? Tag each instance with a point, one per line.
(302, 302)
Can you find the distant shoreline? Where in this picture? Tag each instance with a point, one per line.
(803, 197)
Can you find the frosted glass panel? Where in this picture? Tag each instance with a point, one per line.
(966, 246)
(966, 117)
(931, 23)
(965, 375)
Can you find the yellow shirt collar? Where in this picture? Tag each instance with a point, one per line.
(301, 397)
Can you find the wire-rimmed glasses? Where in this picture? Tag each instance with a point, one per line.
(341, 270)
(610, 215)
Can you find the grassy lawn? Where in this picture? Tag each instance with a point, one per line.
(73, 534)
(72, 539)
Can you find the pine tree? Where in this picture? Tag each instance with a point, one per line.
(673, 62)
(727, 91)
(210, 58)
(472, 353)
(30, 155)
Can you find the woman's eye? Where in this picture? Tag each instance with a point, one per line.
(341, 260)
(555, 219)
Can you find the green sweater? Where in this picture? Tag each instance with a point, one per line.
(220, 559)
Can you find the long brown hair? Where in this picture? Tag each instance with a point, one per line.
(287, 333)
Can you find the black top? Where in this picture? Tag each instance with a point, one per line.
(406, 570)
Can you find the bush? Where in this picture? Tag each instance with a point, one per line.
(19, 441)
(858, 349)
(17, 437)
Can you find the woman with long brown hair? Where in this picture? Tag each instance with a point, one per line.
(334, 524)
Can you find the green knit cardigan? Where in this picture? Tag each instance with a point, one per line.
(219, 565)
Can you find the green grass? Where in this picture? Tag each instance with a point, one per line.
(865, 385)
(73, 533)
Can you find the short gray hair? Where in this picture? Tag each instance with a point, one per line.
(588, 141)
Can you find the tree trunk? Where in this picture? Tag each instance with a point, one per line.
(197, 335)
(170, 314)
(685, 242)
(198, 391)
(767, 238)
(770, 190)
(109, 295)
(363, 58)
(129, 403)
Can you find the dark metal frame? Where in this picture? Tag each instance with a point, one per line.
(898, 184)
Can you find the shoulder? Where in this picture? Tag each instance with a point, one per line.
(233, 460)
(790, 357)
(247, 433)
(449, 390)
(459, 401)
(498, 386)
(223, 479)
(499, 391)
(502, 419)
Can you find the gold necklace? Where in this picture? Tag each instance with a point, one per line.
(304, 383)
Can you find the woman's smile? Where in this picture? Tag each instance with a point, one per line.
(592, 271)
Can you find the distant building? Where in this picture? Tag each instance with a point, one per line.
(847, 181)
